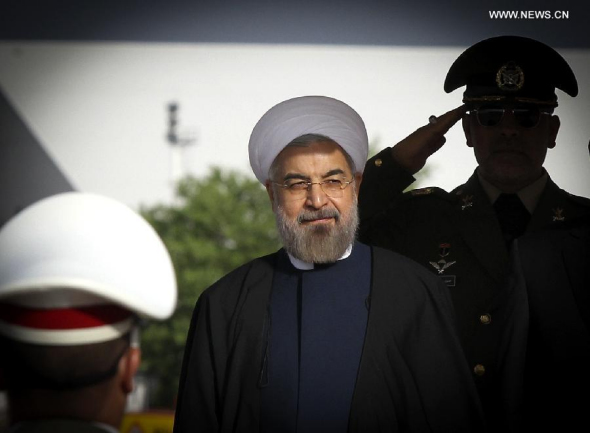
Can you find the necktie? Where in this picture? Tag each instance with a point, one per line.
(512, 216)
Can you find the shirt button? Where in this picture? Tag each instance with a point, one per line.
(479, 370)
(378, 162)
(485, 319)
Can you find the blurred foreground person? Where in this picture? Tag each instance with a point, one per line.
(77, 271)
(327, 334)
(463, 236)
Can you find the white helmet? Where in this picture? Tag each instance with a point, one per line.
(69, 262)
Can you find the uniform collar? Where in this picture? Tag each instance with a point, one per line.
(529, 195)
(306, 266)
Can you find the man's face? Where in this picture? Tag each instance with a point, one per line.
(510, 155)
(315, 226)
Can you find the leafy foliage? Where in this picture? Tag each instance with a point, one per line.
(218, 223)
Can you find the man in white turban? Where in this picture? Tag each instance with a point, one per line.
(326, 334)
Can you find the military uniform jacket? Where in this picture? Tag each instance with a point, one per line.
(553, 268)
(412, 375)
(457, 237)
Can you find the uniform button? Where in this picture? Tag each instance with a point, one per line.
(378, 162)
(479, 370)
(486, 319)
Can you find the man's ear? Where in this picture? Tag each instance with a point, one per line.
(554, 124)
(270, 192)
(128, 365)
(466, 122)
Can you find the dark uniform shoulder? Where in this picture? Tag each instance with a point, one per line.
(582, 201)
(461, 189)
(564, 206)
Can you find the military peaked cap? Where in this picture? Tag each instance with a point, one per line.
(511, 67)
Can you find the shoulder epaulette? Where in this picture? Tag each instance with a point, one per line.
(431, 191)
(422, 191)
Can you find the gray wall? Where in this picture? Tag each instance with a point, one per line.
(27, 173)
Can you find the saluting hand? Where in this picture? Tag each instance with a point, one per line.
(413, 151)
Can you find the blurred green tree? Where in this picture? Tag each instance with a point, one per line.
(218, 223)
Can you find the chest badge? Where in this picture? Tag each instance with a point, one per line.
(442, 265)
(558, 214)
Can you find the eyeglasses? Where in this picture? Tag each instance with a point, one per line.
(297, 189)
(525, 116)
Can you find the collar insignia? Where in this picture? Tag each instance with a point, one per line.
(467, 202)
(558, 214)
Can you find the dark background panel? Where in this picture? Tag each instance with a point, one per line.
(360, 22)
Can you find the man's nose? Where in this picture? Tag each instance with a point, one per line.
(316, 197)
(509, 126)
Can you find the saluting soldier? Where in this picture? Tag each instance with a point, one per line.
(464, 236)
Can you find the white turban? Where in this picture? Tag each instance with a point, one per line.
(307, 115)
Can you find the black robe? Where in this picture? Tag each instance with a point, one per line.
(413, 376)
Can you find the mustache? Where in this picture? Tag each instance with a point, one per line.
(508, 143)
(310, 215)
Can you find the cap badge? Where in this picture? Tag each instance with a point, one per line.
(510, 77)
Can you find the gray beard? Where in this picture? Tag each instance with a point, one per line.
(318, 243)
